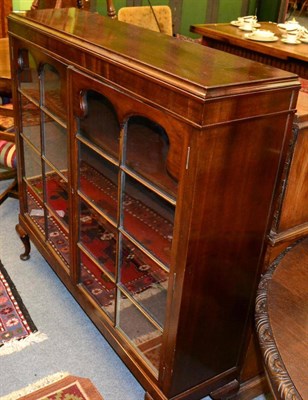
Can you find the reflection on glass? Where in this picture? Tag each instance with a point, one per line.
(100, 124)
(30, 120)
(58, 239)
(33, 169)
(35, 208)
(99, 286)
(147, 148)
(149, 219)
(28, 75)
(55, 233)
(55, 137)
(98, 237)
(53, 84)
(144, 280)
(145, 336)
(57, 196)
(98, 180)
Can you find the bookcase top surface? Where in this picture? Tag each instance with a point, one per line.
(160, 55)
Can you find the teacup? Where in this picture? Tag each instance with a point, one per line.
(247, 26)
(248, 19)
(263, 33)
(251, 18)
(291, 37)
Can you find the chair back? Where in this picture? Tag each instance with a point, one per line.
(155, 18)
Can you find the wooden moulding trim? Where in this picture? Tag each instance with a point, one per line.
(280, 381)
(291, 234)
(179, 84)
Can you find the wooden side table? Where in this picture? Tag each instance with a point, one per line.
(282, 323)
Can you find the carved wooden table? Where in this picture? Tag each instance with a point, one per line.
(282, 323)
(231, 39)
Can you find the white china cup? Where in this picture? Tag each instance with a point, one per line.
(247, 26)
(263, 33)
(291, 37)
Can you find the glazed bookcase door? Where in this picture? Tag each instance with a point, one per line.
(126, 201)
(43, 133)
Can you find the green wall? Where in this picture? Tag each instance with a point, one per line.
(193, 12)
(21, 5)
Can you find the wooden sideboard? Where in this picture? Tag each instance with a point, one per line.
(229, 38)
(148, 172)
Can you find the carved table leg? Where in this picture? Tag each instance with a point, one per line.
(26, 241)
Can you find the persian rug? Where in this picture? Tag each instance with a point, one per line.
(17, 329)
(58, 387)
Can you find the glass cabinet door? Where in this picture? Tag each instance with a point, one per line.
(43, 133)
(126, 201)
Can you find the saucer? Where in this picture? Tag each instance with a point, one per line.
(252, 36)
(239, 24)
(236, 23)
(291, 41)
(304, 40)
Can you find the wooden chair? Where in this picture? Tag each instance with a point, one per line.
(155, 18)
(84, 4)
(8, 164)
(7, 135)
(303, 7)
(41, 4)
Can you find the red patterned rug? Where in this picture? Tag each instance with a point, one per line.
(67, 388)
(17, 329)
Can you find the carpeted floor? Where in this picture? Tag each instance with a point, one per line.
(17, 330)
(74, 345)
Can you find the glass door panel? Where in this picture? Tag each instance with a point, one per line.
(53, 89)
(35, 209)
(148, 218)
(98, 181)
(58, 238)
(33, 169)
(55, 144)
(147, 148)
(98, 237)
(57, 197)
(145, 336)
(97, 284)
(30, 122)
(144, 280)
(28, 75)
(100, 124)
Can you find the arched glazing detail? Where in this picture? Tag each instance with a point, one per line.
(100, 124)
(147, 152)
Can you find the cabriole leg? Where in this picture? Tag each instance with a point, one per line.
(26, 241)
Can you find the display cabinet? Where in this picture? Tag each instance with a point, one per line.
(148, 173)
